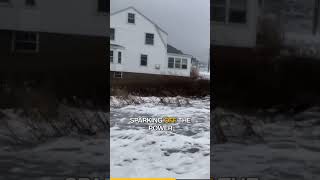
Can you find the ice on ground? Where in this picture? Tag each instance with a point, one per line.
(183, 153)
(34, 146)
(289, 147)
(204, 75)
(303, 45)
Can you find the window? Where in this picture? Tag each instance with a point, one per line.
(111, 56)
(30, 3)
(237, 11)
(117, 74)
(170, 62)
(25, 41)
(178, 63)
(144, 60)
(102, 6)
(149, 38)
(229, 11)
(131, 18)
(112, 33)
(184, 64)
(218, 10)
(119, 57)
(4, 1)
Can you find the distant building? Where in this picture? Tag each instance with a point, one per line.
(140, 46)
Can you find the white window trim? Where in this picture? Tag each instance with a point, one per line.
(147, 60)
(114, 34)
(173, 63)
(145, 39)
(175, 59)
(14, 50)
(184, 63)
(112, 56)
(134, 18)
(119, 52)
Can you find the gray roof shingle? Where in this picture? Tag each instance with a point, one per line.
(171, 49)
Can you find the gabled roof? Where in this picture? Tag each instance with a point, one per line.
(171, 49)
(116, 46)
(175, 51)
(131, 7)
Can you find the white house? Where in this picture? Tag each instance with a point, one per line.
(138, 45)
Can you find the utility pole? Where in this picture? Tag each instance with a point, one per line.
(316, 17)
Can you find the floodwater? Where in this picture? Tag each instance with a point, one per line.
(184, 152)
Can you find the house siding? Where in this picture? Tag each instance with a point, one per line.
(237, 35)
(59, 16)
(132, 38)
(55, 51)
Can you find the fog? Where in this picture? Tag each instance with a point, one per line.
(186, 21)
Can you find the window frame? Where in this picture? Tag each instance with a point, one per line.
(146, 42)
(111, 55)
(144, 55)
(131, 18)
(175, 63)
(225, 6)
(114, 34)
(15, 41)
(228, 9)
(172, 58)
(184, 61)
(119, 57)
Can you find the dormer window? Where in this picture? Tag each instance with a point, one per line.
(131, 18)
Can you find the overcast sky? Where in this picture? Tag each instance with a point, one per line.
(186, 21)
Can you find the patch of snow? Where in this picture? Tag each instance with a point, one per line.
(204, 75)
(290, 143)
(183, 153)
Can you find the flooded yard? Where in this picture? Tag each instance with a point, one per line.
(184, 152)
(288, 146)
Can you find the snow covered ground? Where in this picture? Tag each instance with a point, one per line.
(35, 147)
(289, 147)
(303, 44)
(204, 75)
(182, 153)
